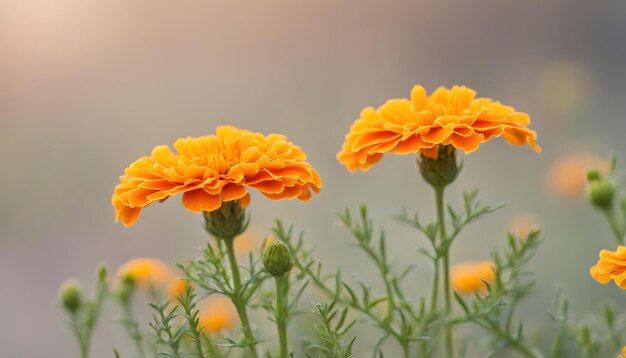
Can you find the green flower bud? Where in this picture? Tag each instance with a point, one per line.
(601, 193)
(227, 222)
(593, 174)
(70, 295)
(102, 273)
(276, 257)
(442, 171)
(126, 288)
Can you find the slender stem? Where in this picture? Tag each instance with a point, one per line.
(132, 327)
(281, 313)
(445, 246)
(435, 289)
(615, 227)
(239, 304)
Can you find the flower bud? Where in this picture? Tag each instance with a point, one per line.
(441, 170)
(70, 295)
(593, 174)
(226, 222)
(276, 257)
(126, 288)
(601, 193)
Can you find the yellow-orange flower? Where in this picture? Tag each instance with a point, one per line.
(611, 266)
(215, 168)
(149, 272)
(623, 353)
(420, 124)
(567, 176)
(468, 277)
(217, 313)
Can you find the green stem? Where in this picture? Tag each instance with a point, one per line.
(132, 327)
(281, 313)
(435, 289)
(237, 301)
(615, 226)
(445, 247)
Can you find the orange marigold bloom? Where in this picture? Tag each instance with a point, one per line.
(149, 272)
(217, 313)
(420, 124)
(468, 277)
(611, 266)
(215, 168)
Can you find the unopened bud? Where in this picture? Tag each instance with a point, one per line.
(276, 257)
(601, 193)
(226, 222)
(442, 170)
(70, 295)
(126, 288)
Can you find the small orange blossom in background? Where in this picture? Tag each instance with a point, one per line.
(611, 266)
(467, 277)
(211, 169)
(217, 313)
(420, 124)
(149, 272)
(567, 176)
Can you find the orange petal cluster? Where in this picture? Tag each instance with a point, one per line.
(468, 277)
(420, 124)
(611, 266)
(215, 168)
(148, 272)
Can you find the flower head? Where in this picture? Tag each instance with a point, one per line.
(611, 266)
(217, 313)
(622, 353)
(152, 273)
(213, 169)
(468, 277)
(276, 257)
(420, 124)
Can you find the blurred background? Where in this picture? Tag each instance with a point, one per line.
(86, 87)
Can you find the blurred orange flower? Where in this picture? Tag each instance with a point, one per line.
(148, 272)
(623, 354)
(215, 168)
(468, 277)
(567, 176)
(611, 266)
(217, 313)
(420, 124)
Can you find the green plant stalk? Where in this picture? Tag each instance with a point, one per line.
(239, 305)
(445, 246)
(83, 337)
(435, 289)
(618, 231)
(131, 327)
(281, 312)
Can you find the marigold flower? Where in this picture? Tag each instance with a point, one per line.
(217, 313)
(148, 272)
(468, 277)
(611, 266)
(567, 176)
(215, 168)
(423, 122)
